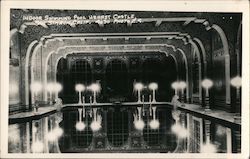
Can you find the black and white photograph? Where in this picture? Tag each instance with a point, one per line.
(125, 81)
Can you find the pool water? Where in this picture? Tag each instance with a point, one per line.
(123, 129)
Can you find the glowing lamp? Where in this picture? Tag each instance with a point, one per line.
(208, 148)
(207, 83)
(36, 87)
(80, 126)
(139, 124)
(95, 87)
(236, 82)
(154, 124)
(182, 85)
(79, 88)
(57, 87)
(153, 86)
(175, 86)
(58, 131)
(37, 147)
(95, 126)
(51, 136)
(138, 86)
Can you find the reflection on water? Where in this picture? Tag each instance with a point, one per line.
(164, 130)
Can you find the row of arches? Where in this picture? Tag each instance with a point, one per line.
(201, 56)
(117, 78)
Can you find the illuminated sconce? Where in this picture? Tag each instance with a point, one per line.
(138, 122)
(175, 86)
(182, 86)
(79, 88)
(35, 88)
(208, 147)
(154, 124)
(207, 84)
(153, 86)
(58, 130)
(138, 87)
(57, 88)
(37, 145)
(95, 88)
(236, 82)
(97, 121)
(50, 89)
(80, 125)
(177, 128)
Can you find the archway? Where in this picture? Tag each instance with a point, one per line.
(116, 81)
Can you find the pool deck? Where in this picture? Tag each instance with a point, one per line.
(190, 108)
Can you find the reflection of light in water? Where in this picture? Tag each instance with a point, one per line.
(95, 125)
(51, 136)
(208, 148)
(154, 124)
(80, 126)
(58, 131)
(37, 146)
(139, 124)
(180, 131)
(220, 130)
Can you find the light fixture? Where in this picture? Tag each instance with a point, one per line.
(207, 84)
(50, 88)
(97, 120)
(58, 130)
(57, 88)
(208, 148)
(36, 87)
(175, 86)
(37, 147)
(182, 86)
(95, 88)
(138, 122)
(153, 86)
(80, 126)
(154, 124)
(138, 87)
(236, 82)
(79, 88)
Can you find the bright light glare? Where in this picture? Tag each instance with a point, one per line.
(175, 85)
(153, 86)
(57, 87)
(180, 131)
(236, 81)
(51, 136)
(58, 131)
(139, 124)
(95, 87)
(50, 87)
(95, 126)
(79, 87)
(182, 85)
(208, 148)
(154, 124)
(138, 86)
(207, 83)
(80, 126)
(36, 87)
(37, 147)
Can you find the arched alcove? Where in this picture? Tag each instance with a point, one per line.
(71, 72)
(117, 127)
(116, 81)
